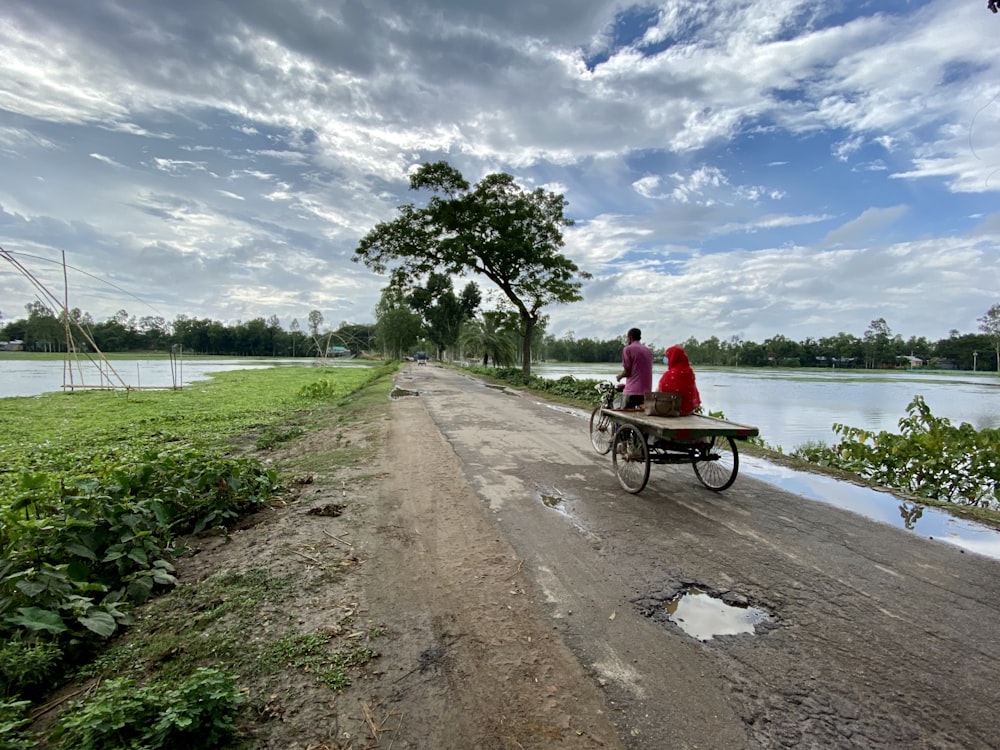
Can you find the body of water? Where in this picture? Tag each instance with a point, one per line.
(33, 377)
(793, 407)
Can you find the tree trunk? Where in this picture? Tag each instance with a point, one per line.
(529, 329)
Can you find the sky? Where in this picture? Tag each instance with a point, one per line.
(741, 169)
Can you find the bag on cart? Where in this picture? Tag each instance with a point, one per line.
(658, 404)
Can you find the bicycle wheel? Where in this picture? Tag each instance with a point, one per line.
(717, 463)
(602, 431)
(630, 456)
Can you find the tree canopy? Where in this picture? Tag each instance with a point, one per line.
(495, 229)
(990, 325)
(442, 310)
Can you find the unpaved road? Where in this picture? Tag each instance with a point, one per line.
(518, 578)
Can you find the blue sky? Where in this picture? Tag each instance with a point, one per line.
(734, 169)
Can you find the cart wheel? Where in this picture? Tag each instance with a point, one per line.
(602, 431)
(630, 455)
(717, 463)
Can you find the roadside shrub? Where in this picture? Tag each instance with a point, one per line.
(12, 722)
(27, 665)
(323, 388)
(70, 561)
(929, 458)
(200, 713)
(579, 390)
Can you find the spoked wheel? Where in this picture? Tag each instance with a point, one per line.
(602, 431)
(630, 455)
(717, 462)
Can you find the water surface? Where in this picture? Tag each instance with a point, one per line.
(793, 407)
(33, 377)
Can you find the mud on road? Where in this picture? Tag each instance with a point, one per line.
(520, 593)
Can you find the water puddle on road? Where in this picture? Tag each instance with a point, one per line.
(703, 616)
(551, 501)
(702, 612)
(398, 392)
(877, 505)
(554, 501)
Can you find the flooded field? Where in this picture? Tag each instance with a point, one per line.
(793, 407)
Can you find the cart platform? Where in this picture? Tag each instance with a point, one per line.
(690, 427)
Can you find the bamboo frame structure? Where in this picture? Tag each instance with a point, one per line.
(110, 379)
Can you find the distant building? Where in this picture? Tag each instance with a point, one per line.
(912, 361)
(12, 346)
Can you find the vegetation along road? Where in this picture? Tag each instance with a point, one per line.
(874, 638)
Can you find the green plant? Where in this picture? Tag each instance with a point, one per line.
(273, 437)
(12, 722)
(311, 652)
(27, 664)
(104, 485)
(199, 713)
(929, 457)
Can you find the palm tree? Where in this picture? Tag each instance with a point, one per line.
(487, 337)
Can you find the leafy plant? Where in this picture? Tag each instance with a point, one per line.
(929, 457)
(12, 723)
(26, 664)
(311, 652)
(104, 485)
(199, 713)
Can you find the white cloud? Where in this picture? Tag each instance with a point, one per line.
(705, 159)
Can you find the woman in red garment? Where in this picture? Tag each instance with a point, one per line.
(679, 378)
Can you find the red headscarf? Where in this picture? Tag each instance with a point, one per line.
(679, 378)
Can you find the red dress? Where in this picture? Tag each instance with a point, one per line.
(679, 378)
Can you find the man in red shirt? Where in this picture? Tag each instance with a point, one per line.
(637, 369)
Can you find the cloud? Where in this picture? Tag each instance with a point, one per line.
(224, 159)
(870, 223)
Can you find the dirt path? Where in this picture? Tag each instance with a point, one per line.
(475, 664)
(520, 595)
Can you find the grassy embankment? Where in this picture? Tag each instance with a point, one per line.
(96, 489)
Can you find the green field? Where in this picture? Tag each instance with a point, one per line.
(97, 486)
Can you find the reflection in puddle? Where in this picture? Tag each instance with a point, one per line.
(552, 501)
(702, 616)
(398, 392)
(877, 505)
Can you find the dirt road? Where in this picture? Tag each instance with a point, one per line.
(525, 590)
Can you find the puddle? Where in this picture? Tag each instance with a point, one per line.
(878, 505)
(703, 614)
(553, 500)
(703, 617)
(398, 392)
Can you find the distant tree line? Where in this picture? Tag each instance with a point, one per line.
(44, 330)
(433, 318)
(876, 348)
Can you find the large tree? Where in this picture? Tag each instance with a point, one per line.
(442, 310)
(487, 338)
(397, 326)
(495, 229)
(990, 325)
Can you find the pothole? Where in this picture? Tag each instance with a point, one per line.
(402, 392)
(503, 389)
(552, 499)
(704, 613)
(333, 510)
